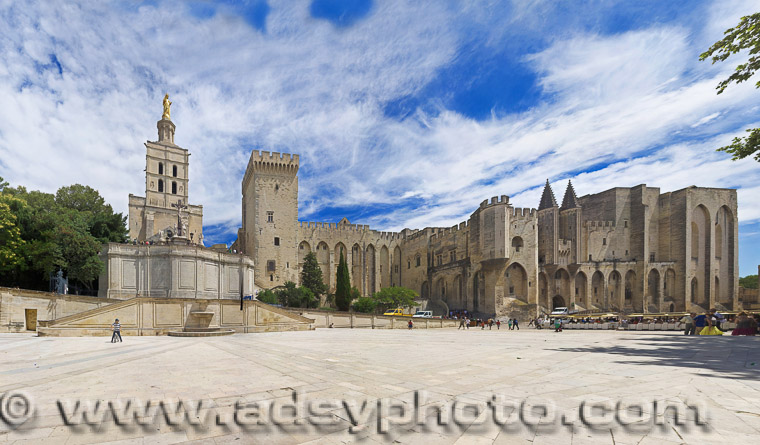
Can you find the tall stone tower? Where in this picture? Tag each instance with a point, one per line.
(270, 217)
(548, 225)
(166, 186)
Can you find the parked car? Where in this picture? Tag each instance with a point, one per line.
(423, 314)
(398, 312)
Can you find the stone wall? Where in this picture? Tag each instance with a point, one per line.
(174, 271)
(323, 319)
(14, 304)
(158, 316)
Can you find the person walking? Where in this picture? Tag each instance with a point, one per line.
(557, 325)
(116, 331)
(411, 325)
(688, 321)
(461, 324)
(498, 324)
(515, 324)
(700, 321)
(719, 318)
(490, 324)
(467, 322)
(509, 323)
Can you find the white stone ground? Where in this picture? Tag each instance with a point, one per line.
(567, 368)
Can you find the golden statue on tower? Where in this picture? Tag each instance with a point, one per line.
(167, 106)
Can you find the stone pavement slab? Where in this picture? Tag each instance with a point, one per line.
(539, 381)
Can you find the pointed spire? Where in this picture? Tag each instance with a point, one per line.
(570, 201)
(547, 198)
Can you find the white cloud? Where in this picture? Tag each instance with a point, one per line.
(636, 100)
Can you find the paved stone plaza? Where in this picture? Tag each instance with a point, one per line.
(566, 368)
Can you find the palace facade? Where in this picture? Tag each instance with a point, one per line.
(630, 249)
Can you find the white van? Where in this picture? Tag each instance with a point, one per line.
(560, 311)
(423, 314)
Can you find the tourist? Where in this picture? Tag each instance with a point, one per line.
(490, 324)
(718, 316)
(411, 325)
(482, 324)
(509, 323)
(557, 325)
(498, 324)
(532, 322)
(116, 331)
(515, 324)
(710, 328)
(700, 321)
(744, 325)
(688, 321)
(461, 324)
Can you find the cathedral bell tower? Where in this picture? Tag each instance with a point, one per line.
(164, 211)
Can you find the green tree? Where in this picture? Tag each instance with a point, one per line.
(311, 275)
(3, 184)
(342, 285)
(62, 231)
(748, 282)
(746, 35)
(396, 296)
(11, 243)
(365, 305)
(102, 222)
(268, 297)
(292, 296)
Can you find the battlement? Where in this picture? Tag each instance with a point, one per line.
(270, 162)
(333, 227)
(503, 199)
(599, 224)
(274, 157)
(523, 213)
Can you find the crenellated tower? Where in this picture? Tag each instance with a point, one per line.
(270, 217)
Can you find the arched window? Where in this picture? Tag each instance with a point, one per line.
(174, 188)
(160, 185)
(160, 168)
(517, 243)
(174, 171)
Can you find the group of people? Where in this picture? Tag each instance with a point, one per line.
(512, 323)
(710, 322)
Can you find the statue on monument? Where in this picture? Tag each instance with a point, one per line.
(167, 106)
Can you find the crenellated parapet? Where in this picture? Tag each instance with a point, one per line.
(523, 213)
(503, 199)
(334, 229)
(271, 163)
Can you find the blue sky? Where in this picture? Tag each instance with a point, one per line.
(405, 114)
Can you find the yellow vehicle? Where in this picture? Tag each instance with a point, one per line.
(398, 312)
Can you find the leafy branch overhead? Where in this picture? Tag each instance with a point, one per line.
(745, 36)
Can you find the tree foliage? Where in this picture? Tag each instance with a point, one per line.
(268, 297)
(748, 282)
(395, 296)
(366, 305)
(745, 36)
(289, 295)
(62, 231)
(11, 244)
(311, 275)
(342, 286)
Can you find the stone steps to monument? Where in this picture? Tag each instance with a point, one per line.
(200, 329)
(215, 333)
